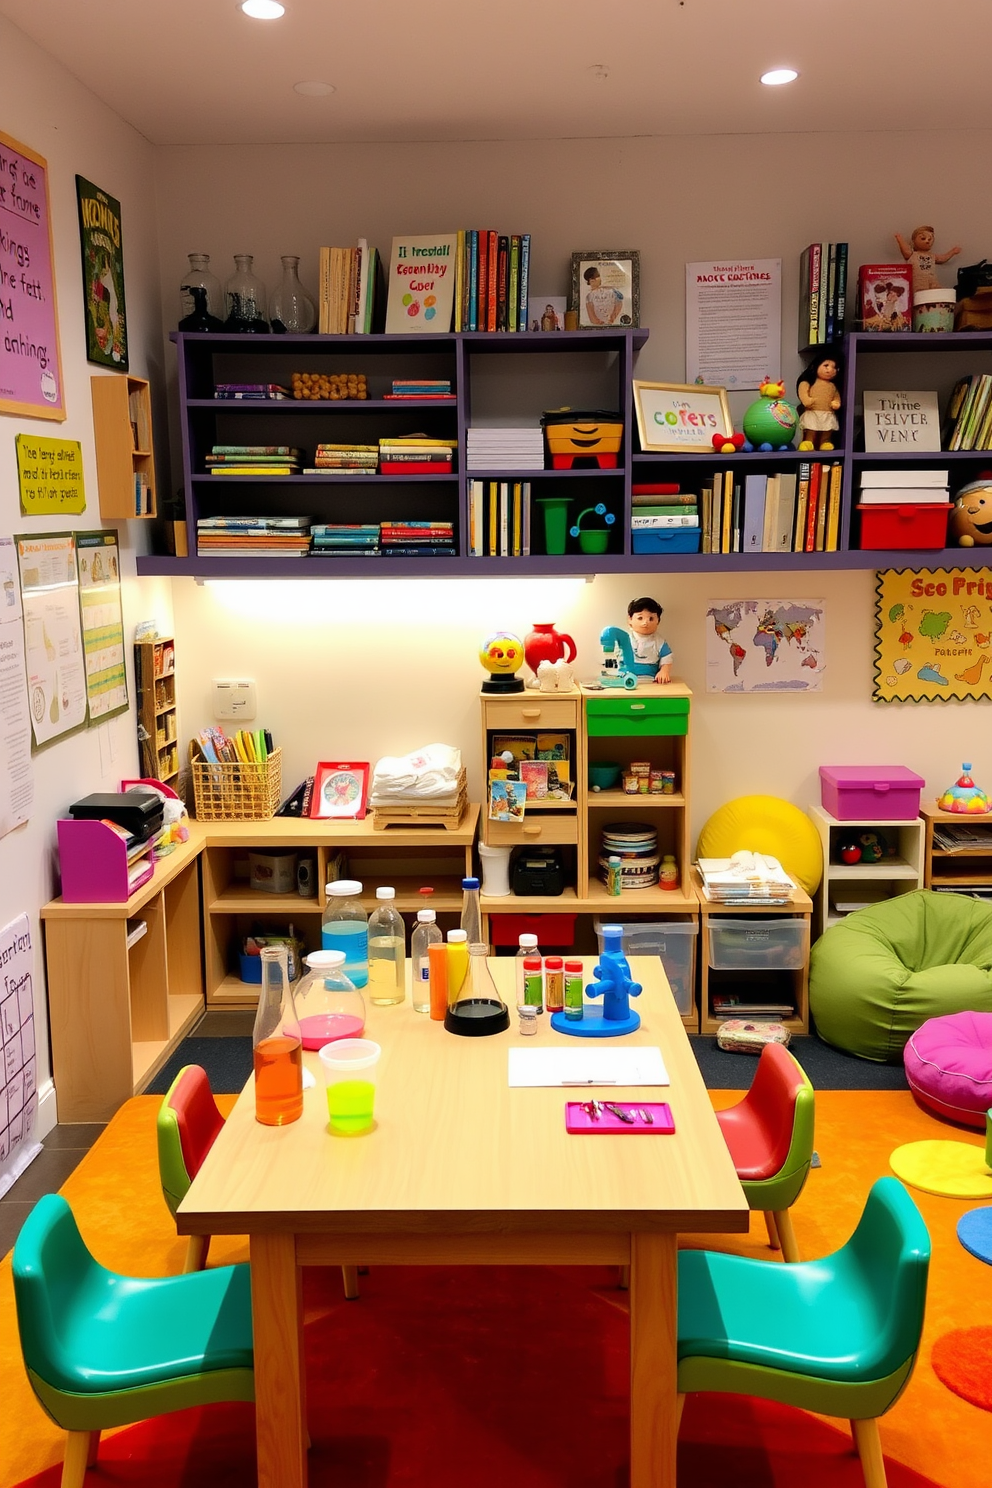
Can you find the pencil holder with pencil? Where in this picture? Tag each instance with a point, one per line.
(235, 790)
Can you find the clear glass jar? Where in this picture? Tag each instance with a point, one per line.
(345, 927)
(527, 944)
(425, 934)
(277, 1053)
(387, 951)
(475, 1007)
(328, 1004)
(200, 277)
(293, 309)
(244, 295)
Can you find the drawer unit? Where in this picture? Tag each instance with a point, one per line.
(536, 711)
(552, 830)
(758, 945)
(634, 717)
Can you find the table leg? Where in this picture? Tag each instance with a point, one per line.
(653, 1360)
(280, 1380)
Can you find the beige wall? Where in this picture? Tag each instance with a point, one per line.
(367, 683)
(45, 108)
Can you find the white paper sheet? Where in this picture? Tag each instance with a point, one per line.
(640, 1065)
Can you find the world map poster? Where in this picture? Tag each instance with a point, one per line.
(764, 645)
(933, 634)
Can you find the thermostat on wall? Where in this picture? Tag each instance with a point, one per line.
(234, 699)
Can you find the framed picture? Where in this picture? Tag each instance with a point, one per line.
(103, 276)
(30, 361)
(339, 790)
(606, 288)
(546, 313)
(680, 416)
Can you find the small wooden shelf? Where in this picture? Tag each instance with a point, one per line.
(125, 460)
(154, 671)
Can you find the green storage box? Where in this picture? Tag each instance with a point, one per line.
(631, 717)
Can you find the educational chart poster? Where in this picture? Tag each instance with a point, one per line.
(30, 364)
(49, 475)
(16, 769)
(421, 284)
(53, 642)
(19, 1071)
(98, 562)
(933, 634)
(733, 322)
(103, 276)
(764, 645)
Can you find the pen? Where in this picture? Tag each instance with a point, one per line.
(588, 1082)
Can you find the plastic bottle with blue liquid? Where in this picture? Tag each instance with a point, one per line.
(345, 927)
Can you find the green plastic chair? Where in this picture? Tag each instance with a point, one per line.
(104, 1350)
(838, 1336)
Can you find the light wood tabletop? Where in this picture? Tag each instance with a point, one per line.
(462, 1169)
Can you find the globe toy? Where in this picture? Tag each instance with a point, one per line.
(771, 422)
(502, 655)
(964, 797)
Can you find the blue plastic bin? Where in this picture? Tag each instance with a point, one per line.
(666, 540)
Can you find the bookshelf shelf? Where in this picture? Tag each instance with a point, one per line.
(122, 433)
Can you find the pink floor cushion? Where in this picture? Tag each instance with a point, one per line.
(949, 1066)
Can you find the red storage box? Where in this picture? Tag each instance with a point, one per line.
(550, 929)
(920, 524)
(870, 792)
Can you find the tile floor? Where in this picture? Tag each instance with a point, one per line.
(62, 1150)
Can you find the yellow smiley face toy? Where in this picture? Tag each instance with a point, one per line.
(502, 655)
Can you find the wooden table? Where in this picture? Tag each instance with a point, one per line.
(462, 1170)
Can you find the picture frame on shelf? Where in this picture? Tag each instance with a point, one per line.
(606, 288)
(674, 416)
(340, 789)
(546, 312)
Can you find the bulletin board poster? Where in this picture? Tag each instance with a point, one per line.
(98, 563)
(53, 642)
(933, 634)
(16, 769)
(30, 360)
(103, 276)
(49, 475)
(19, 1070)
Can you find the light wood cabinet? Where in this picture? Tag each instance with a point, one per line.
(849, 886)
(752, 947)
(125, 455)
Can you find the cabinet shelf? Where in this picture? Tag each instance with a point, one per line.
(618, 800)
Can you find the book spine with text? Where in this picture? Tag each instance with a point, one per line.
(524, 278)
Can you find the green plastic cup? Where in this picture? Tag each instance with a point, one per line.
(555, 522)
(350, 1069)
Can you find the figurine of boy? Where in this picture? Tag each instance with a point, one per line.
(644, 617)
(919, 253)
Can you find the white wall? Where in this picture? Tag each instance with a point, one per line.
(368, 684)
(45, 108)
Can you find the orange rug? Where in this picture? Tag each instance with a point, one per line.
(931, 1431)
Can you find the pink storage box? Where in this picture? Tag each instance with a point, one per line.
(870, 792)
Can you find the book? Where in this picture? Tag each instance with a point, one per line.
(781, 536)
(482, 286)
(896, 478)
(901, 421)
(525, 524)
(840, 312)
(976, 412)
(820, 539)
(524, 279)
(421, 288)
(516, 521)
(493, 514)
(502, 281)
(754, 512)
(727, 511)
(254, 470)
(475, 498)
(809, 296)
(809, 541)
(885, 297)
(829, 332)
(460, 279)
(802, 502)
(833, 508)
(504, 519)
(492, 271)
(906, 495)
(770, 521)
(821, 315)
(472, 279)
(513, 287)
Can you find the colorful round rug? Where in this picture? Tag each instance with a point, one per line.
(955, 1170)
(962, 1360)
(975, 1234)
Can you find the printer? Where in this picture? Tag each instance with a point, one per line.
(138, 812)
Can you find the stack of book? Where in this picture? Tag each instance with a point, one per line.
(251, 391)
(969, 414)
(347, 290)
(340, 537)
(253, 459)
(739, 1005)
(432, 539)
(142, 494)
(745, 878)
(421, 387)
(905, 487)
(654, 508)
(505, 449)
(822, 293)
(492, 274)
(499, 519)
(416, 454)
(259, 537)
(344, 459)
(784, 513)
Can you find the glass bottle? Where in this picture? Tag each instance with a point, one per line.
(345, 927)
(201, 319)
(244, 296)
(528, 949)
(534, 984)
(573, 991)
(200, 277)
(425, 934)
(329, 1006)
(476, 1008)
(471, 921)
(387, 951)
(554, 984)
(277, 1045)
(293, 309)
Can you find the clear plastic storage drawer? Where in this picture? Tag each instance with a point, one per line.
(758, 945)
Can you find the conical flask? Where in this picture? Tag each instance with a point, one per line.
(475, 1008)
(277, 1045)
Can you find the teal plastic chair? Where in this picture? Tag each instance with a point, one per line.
(838, 1336)
(105, 1350)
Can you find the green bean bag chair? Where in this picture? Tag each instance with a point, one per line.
(874, 978)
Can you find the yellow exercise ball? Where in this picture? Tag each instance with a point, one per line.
(766, 824)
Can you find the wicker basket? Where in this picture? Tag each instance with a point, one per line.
(237, 791)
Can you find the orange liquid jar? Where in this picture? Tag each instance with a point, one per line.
(277, 1045)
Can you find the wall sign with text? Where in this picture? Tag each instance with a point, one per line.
(30, 361)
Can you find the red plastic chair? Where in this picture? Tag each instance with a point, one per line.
(770, 1136)
(187, 1127)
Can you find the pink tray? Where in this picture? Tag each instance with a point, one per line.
(580, 1123)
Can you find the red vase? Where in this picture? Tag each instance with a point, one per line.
(544, 643)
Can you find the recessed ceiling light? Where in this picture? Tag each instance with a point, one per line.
(779, 75)
(263, 10)
(313, 90)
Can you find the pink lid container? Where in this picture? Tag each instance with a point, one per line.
(870, 792)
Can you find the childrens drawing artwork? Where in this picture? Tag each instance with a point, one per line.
(764, 645)
(933, 634)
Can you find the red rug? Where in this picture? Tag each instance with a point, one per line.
(962, 1360)
(479, 1378)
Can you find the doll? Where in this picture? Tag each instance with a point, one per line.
(820, 400)
(919, 253)
(644, 617)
